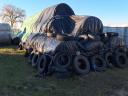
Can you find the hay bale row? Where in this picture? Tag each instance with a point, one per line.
(61, 19)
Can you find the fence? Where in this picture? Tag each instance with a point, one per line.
(122, 31)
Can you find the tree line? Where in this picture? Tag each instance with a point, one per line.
(11, 14)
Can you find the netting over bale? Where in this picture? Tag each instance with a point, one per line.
(61, 9)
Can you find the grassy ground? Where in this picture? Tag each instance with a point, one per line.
(17, 78)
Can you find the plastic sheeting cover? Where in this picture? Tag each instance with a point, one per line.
(27, 26)
(87, 25)
(48, 13)
(5, 38)
(61, 19)
(41, 43)
(60, 25)
(4, 27)
(74, 25)
(5, 34)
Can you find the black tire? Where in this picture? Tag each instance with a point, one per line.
(120, 60)
(120, 49)
(35, 60)
(98, 63)
(109, 59)
(43, 63)
(81, 65)
(64, 38)
(62, 60)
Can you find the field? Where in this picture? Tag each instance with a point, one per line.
(17, 78)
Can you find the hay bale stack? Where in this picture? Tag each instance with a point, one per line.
(74, 25)
(61, 19)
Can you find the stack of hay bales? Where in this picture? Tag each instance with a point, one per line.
(5, 34)
(61, 19)
(61, 42)
(39, 21)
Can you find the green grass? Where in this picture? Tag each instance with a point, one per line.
(17, 78)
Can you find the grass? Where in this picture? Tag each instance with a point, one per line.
(17, 78)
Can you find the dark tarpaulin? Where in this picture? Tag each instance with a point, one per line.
(87, 25)
(60, 25)
(75, 25)
(59, 9)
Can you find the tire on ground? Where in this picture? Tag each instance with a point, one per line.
(43, 63)
(120, 60)
(35, 60)
(30, 58)
(109, 59)
(81, 65)
(62, 60)
(98, 63)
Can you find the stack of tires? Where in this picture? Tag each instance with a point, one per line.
(66, 55)
(74, 45)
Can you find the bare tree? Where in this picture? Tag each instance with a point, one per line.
(12, 14)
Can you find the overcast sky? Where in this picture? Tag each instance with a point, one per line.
(111, 12)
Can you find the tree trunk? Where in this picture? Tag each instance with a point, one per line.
(12, 24)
